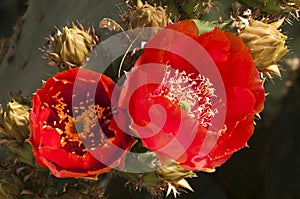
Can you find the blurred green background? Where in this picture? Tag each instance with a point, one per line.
(268, 169)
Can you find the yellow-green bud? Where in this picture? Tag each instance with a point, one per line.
(70, 46)
(266, 42)
(146, 15)
(174, 175)
(173, 172)
(73, 45)
(15, 120)
(170, 177)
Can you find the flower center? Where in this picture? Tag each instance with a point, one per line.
(192, 94)
(82, 128)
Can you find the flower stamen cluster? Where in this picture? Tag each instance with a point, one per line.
(74, 129)
(192, 94)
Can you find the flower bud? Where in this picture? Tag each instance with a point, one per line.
(169, 178)
(267, 44)
(15, 120)
(174, 175)
(10, 186)
(180, 10)
(146, 15)
(70, 46)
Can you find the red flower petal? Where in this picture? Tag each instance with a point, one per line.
(217, 44)
(50, 137)
(229, 142)
(242, 97)
(186, 27)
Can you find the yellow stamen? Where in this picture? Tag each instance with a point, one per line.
(79, 127)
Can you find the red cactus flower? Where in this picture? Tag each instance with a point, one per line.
(72, 132)
(181, 98)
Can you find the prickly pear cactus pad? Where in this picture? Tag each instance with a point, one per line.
(149, 99)
(23, 61)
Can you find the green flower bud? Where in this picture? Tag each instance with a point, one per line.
(267, 44)
(170, 177)
(15, 120)
(146, 15)
(154, 177)
(73, 45)
(70, 46)
(10, 187)
(180, 10)
(174, 175)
